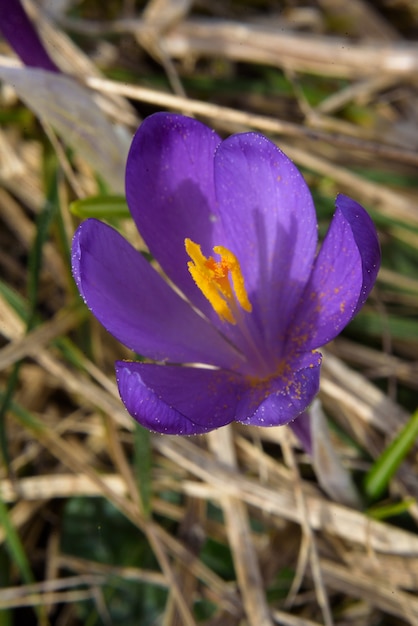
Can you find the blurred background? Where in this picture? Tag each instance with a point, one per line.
(103, 523)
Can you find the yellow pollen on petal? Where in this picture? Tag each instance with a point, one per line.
(221, 282)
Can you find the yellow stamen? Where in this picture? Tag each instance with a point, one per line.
(214, 280)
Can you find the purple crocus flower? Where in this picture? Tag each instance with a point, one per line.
(16, 27)
(248, 299)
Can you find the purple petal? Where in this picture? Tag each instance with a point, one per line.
(343, 275)
(22, 36)
(178, 400)
(170, 192)
(269, 221)
(364, 233)
(280, 400)
(136, 305)
(301, 427)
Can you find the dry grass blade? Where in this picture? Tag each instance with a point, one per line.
(84, 567)
(241, 527)
(58, 486)
(309, 539)
(304, 53)
(382, 595)
(63, 597)
(238, 41)
(239, 533)
(322, 515)
(40, 337)
(227, 117)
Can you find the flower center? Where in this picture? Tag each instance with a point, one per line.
(221, 282)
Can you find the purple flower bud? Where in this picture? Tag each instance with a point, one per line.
(19, 31)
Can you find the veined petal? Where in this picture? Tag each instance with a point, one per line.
(280, 400)
(345, 270)
(19, 31)
(136, 305)
(178, 400)
(269, 221)
(170, 192)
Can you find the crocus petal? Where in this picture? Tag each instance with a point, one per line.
(178, 400)
(364, 233)
(170, 192)
(302, 429)
(269, 221)
(280, 400)
(136, 305)
(343, 275)
(22, 36)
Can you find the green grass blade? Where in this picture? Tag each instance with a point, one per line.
(143, 465)
(6, 616)
(101, 207)
(15, 300)
(34, 269)
(14, 545)
(386, 465)
(384, 511)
